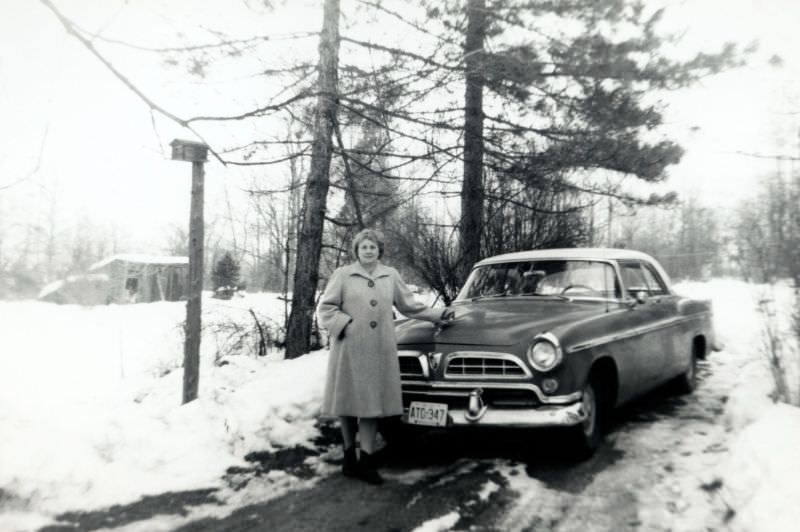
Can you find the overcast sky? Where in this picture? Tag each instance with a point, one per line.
(102, 157)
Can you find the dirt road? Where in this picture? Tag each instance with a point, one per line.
(655, 472)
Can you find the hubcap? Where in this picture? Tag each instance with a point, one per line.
(590, 408)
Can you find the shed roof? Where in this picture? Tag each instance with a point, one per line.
(140, 259)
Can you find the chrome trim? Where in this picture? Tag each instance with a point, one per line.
(482, 355)
(423, 362)
(545, 337)
(666, 322)
(469, 386)
(476, 408)
(602, 340)
(548, 416)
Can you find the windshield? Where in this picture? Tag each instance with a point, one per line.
(572, 278)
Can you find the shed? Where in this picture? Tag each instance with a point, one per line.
(144, 278)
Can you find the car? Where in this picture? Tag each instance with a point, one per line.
(553, 338)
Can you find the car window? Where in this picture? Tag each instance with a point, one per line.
(574, 278)
(654, 282)
(639, 277)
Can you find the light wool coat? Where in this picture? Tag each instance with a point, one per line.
(363, 377)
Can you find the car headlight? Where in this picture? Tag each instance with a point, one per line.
(545, 352)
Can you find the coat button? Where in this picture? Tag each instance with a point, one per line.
(373, 324)
(371, 284)
(373, 302)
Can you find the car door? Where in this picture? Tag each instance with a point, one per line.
(671, 325)
(653, 318)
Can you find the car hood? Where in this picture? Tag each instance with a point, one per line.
(497, 322)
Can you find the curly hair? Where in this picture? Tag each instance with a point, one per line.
(368, 234)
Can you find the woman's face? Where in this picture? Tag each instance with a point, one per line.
(368, 252)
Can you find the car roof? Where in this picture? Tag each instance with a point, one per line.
(570, 253)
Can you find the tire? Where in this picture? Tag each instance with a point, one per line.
(686, 382)
(586, 437)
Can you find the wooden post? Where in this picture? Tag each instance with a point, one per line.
(191, 349)
(184, 150)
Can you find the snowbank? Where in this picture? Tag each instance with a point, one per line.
(90, 410)
(761, 478)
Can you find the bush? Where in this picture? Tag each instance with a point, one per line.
(781, 346)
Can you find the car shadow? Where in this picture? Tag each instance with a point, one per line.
(545, 453)
(666, 402)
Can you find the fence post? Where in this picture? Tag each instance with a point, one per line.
(195, 152)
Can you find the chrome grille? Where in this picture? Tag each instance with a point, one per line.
(483, 365)
(410, 367)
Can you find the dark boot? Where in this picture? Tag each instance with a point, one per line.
(366, 469)
(350, 463)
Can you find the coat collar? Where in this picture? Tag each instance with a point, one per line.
(357, 269)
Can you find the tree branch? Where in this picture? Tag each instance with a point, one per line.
(71, 29)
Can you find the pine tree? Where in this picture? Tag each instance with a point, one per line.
(226, 273)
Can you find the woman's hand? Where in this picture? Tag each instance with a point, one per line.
(447, 317)
(341, 334)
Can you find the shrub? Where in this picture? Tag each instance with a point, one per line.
(781, 338)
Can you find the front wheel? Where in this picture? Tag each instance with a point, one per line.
(586, 437)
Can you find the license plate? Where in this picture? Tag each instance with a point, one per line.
(430, 414)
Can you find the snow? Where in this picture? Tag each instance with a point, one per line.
(57, 285)
(90, 410)
(440, 524)
(487, 490)
(761, 475)
(51, 287)
(90, 416)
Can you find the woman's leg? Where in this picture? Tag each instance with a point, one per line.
(348, 427)
(350, 460)
(367, 429)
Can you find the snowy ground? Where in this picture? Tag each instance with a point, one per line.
(90, 416)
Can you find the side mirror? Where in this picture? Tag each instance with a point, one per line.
(639, 298)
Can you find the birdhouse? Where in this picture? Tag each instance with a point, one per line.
(188, 150)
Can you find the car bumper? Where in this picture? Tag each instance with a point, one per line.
(544, 416)
(471, 409)
(549, 416)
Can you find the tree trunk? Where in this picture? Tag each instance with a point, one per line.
(472, 191)
(309, 242)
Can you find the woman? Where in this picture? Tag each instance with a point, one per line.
(363, 380)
